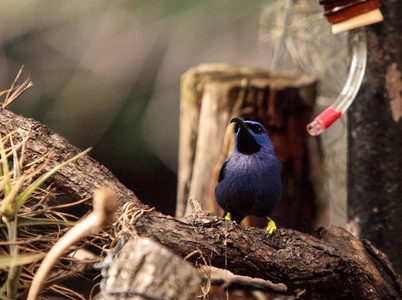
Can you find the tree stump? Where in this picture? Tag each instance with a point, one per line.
(210, 96)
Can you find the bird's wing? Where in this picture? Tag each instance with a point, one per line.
(222, 170)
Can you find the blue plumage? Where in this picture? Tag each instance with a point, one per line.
(250, 180)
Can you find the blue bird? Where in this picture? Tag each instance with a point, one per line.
(250, 180)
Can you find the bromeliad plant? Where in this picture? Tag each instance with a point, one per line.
(29, 224)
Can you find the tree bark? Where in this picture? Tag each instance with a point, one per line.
(42, 141)
(143, 270)
(375, 140)
(332, 265)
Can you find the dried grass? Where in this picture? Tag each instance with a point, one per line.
(31, 218)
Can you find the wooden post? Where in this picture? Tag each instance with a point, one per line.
(375, 140)
(213, 94)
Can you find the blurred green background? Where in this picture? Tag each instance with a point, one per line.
(107, 74)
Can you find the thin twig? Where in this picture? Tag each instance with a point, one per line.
(18, 90)
(69, 204)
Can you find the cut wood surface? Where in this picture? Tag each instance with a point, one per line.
(333, 264)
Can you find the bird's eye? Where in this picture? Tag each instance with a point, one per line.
(257, 129)
(237, 127)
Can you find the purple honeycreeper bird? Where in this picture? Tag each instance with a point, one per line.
(250, 180)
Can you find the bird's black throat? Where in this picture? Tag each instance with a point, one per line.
(246, 143)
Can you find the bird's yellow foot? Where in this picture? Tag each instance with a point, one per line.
(271, 227)
(229, 217)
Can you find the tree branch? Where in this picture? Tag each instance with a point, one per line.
(78, 179)
(334, 263)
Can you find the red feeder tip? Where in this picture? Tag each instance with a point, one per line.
(323, 121)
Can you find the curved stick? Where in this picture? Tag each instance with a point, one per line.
(105, 205)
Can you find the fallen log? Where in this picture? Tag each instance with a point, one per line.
(332, 265)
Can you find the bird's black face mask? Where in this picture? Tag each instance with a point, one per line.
(246, 143)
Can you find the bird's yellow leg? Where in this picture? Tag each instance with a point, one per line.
(228, 216)
(271, 227)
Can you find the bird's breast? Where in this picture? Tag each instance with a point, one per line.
(250, 186)
(254, 175)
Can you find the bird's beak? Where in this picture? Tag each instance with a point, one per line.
(240, 122)
(245, 142)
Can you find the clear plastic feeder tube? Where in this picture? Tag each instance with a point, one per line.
(354, 79)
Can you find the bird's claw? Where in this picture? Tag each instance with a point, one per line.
(228, 216)
(271, 227)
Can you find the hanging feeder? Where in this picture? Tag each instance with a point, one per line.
(348, 15)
